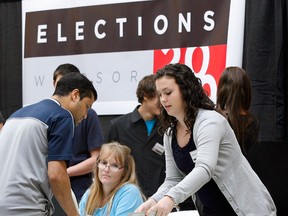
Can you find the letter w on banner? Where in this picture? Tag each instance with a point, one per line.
(118, 42)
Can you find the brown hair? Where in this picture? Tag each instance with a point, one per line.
(234, 100)
(146, 88)
(193, 94)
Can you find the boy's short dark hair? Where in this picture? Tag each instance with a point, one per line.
(146, 88)
(64, 69)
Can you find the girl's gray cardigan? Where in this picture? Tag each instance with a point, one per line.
(218, 156)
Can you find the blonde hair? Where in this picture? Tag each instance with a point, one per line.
(124, 158)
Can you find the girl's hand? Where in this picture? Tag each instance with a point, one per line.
(146, 205)
(163, 207)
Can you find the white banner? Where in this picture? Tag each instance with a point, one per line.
(116, 43)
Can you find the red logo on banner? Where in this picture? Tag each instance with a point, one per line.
(207, 62)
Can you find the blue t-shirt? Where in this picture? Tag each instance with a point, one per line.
(88, 136)
(126, 200)
(150, 124)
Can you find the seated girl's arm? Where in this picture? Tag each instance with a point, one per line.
(127, 199)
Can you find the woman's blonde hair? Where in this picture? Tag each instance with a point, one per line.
(124, 158)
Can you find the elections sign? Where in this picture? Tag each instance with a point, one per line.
(117, 43)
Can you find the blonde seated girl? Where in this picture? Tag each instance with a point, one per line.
(115, 188)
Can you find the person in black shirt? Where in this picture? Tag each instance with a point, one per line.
(138, 131)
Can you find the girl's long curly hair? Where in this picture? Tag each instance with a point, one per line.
(192, 92)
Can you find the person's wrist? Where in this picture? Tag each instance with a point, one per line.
(174, 203)
(171, 199)
(152, 200)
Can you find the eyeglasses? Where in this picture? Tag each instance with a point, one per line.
(102, 164)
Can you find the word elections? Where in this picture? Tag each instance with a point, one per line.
(160, 27)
